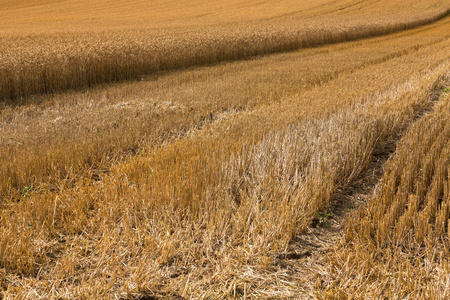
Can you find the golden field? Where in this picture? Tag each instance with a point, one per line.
(70, 44)
(196, 149)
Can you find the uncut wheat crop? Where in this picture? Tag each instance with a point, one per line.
(240, 150)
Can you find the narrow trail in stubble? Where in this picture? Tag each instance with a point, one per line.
(307, 253)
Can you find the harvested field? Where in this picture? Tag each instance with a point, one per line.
(213, 171)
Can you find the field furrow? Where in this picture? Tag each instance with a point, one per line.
(398, 241)
(319, 256)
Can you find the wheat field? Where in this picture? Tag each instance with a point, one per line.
(68, 44)
(208, 150)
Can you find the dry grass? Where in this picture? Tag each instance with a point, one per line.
(45, 60)
(193, 183)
